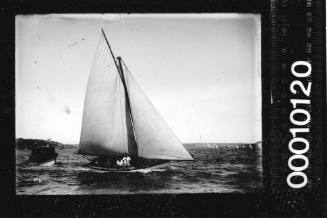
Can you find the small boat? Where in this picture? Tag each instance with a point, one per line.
(43, 155)
(120, 121)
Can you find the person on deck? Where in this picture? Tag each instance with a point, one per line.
(128, 161)
(125, 162)
(119, 163)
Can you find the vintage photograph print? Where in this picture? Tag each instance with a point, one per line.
(138, 103)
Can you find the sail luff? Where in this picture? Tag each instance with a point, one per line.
(111, 52)
(132, 144)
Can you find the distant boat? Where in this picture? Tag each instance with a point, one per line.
(44, 155)
(119, 120)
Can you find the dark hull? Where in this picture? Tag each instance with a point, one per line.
(45, 156)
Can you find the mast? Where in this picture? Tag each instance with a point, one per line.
(132, 145)
(112, 54)
(119, 67)
(124, 82)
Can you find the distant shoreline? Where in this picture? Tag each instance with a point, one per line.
(223, 145)
(22, 143)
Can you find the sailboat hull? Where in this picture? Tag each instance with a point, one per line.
(148, 165)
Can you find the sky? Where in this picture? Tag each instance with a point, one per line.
(202, 72)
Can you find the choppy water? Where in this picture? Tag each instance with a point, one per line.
(222, 169)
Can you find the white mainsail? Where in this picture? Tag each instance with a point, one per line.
(104, 130)
(112, 127)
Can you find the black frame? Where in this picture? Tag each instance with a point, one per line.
(276, 198)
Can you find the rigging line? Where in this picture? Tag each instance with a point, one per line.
(127, 97)
(125, 86)
(114, 111)
(121, 77)
(123, 80)
(130, 109)
(122, 115)
(112, 54)
(119, 68)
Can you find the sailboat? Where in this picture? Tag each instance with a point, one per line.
(119, 120)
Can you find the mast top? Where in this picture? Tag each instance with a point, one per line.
(112, 54)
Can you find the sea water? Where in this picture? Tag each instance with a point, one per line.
(217, 168)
